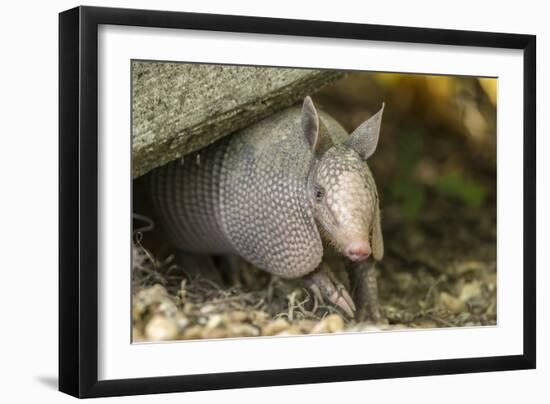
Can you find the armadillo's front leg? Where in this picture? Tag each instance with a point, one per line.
(366, 290)
(323, 282)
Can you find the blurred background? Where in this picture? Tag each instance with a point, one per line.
(435, 168)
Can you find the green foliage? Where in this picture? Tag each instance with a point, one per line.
(457, 187)
(411, 194)
(404, 187)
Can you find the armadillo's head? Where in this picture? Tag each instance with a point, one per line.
(341, 187)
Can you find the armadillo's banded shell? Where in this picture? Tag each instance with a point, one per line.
(186, 194)
(265, 207)
(247, 197)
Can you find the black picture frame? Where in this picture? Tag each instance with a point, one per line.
(78, 200)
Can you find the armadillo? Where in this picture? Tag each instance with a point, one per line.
(274, 191)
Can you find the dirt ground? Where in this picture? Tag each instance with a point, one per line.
(436, 175)
(436, 277)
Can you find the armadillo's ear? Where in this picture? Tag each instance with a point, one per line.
(313, 128)
(377, 241)
(365, 138)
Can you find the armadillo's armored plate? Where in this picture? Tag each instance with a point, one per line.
(265, 209)
(247, 195)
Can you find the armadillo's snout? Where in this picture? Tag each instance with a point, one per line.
(358, 251)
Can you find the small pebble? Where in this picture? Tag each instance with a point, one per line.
(214, 321)
(451, 303)
(193, 332)
(182, 321)
(370, 328)
(306, 325)
(237, 316)
(274, 327)
(259, 316)
(154, 297)
(426, 324)
(292, 330)
(167, 308)
(242, 330)
(208, 333)
(161, 328)
(331, 323)
(206, 309)
(470, 290)
(188, 308)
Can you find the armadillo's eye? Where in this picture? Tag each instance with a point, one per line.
(319, 193)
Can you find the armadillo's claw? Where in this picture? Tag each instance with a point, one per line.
(322, 282)
(342, 299)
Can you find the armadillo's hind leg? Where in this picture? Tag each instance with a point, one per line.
(199, 266)
(325, 285)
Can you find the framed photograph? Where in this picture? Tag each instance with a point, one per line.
(251, 201)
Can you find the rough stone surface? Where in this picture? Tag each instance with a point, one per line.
(180, 108)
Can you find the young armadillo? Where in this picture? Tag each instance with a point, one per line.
(269, 192)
